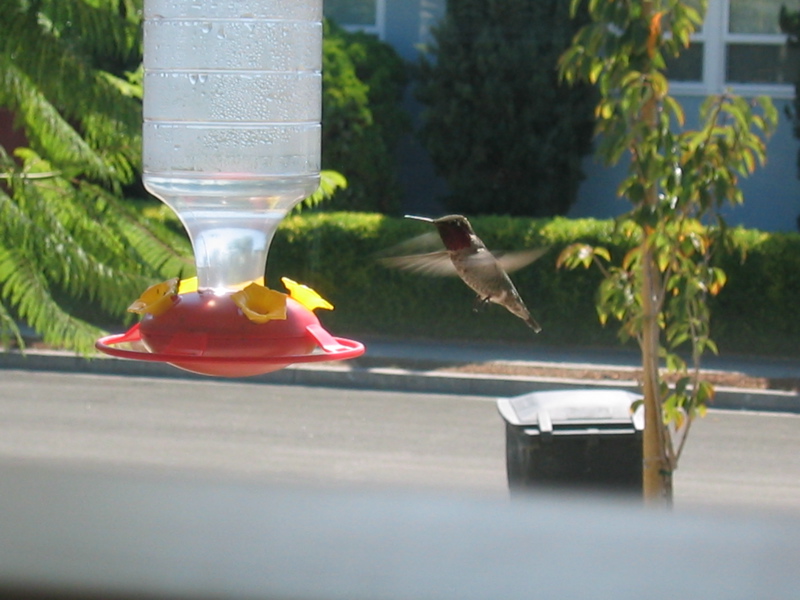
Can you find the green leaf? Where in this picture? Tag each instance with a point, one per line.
(594, 75)
(330, 182)
(675, 363)
(575, 255)
(601, 252)
(664, 259)
(711, 345)
(674, 109)
(632, 258)
(705, 393)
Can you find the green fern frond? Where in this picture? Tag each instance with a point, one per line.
(329, 182)
(9, 329)
(46, 127)
(50, 77)
(103, 28)
(69, 244)
(77, 236)
(63, 67)
(26, 291)
(162, 256)
(149, 241)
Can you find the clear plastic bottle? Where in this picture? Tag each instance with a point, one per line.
(232, 110)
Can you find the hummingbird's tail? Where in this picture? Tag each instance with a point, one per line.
(531, 322)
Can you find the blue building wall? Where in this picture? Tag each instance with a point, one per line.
(771, 194)
(408, 24)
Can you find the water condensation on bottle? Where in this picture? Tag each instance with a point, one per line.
(232, 111)
(232, 93)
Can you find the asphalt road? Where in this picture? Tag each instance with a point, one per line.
(296, 434)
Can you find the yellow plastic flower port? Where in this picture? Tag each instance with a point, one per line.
(156, 299)
(305, 295)
(187, 286)
(260, 304)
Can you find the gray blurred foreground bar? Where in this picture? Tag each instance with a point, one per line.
(76, 533)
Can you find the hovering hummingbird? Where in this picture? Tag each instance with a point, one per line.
(467, 256)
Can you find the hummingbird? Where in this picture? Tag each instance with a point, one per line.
(466, 255)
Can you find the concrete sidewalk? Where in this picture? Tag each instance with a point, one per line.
(421, 366)
(432, 352)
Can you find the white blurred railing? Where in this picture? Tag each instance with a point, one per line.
(76, 533)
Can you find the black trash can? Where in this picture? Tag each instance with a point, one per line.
(584, 439)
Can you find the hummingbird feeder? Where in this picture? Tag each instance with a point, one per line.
(231, 142)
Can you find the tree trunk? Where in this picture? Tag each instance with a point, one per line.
(656, 468)
(657, 472)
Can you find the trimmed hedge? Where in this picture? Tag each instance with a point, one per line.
(335, 253)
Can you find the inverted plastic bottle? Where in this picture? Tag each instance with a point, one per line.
(232, 109)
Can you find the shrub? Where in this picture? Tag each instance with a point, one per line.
(501, 129)
(755, 311)
(362, 118)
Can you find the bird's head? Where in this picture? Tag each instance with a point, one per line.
(455, 230)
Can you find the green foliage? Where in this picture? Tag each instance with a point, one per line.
(756, 313)
(362, 118)
(677, 179)
(81, 117)
(71, 251)
(335, 253)
(329, 183)
(506, 135)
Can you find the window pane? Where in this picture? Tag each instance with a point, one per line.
(748, 63)
(351, 12)
(688, 66)
(757, 16)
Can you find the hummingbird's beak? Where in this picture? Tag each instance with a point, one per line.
(416, 218)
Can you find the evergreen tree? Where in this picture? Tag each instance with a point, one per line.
(363, 80)
(502, 130)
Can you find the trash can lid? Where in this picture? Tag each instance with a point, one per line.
(572, 407)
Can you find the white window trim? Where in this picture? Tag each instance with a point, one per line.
(379, 28)
(715, 37)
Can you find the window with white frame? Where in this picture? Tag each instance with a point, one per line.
(362, 15)
(739, 47)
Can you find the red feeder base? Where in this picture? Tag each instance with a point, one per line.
(207, 334)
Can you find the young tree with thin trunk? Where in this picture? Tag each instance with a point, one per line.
(677, 180)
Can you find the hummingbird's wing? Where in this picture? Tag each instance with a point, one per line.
(421, 244)
(432, 263)
(420, 255)
(438, 263)
(513, 261)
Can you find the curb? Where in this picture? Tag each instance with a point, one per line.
(394, 379)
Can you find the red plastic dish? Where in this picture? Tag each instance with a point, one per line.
(207, 334)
